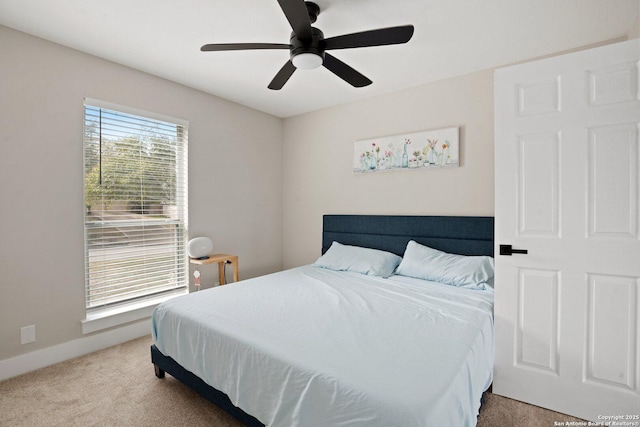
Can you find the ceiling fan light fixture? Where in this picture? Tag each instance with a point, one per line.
(307, 61)
(307, 45)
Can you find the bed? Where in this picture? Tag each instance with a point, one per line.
(325, 345)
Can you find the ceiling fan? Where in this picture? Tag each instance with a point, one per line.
(307, 45)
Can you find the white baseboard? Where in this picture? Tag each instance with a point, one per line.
(79, 347)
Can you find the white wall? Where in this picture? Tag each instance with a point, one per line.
(235, 192)
(318, 157)
(634, 32)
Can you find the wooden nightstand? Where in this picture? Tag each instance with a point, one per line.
(221, 259)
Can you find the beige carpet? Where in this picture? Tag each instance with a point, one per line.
(117, 387)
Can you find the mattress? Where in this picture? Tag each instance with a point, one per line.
(311, 346)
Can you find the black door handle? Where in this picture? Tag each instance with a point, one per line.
(508, 250)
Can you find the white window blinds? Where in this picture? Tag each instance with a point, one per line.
(135, 181)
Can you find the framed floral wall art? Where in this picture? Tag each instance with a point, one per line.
(429, 149)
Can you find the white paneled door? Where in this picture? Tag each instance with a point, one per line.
(567, 188)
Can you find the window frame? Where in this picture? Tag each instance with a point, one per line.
(113, 313)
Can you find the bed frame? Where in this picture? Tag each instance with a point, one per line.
(453, 234)
(462, 235)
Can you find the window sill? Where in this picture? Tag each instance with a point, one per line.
(98, 320)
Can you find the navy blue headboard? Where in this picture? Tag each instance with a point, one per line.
(463, 235)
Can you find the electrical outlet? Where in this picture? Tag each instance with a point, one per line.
(28, 334)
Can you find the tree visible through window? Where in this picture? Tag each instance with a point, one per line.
(135, 176)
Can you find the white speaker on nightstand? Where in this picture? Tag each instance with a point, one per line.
(199, 247)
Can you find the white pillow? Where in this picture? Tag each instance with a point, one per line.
(426, 263)
(361, 260)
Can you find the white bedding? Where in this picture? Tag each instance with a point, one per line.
(315, 347)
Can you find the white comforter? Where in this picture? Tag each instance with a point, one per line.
(315, 347)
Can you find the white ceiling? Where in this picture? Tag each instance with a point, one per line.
(452, 37)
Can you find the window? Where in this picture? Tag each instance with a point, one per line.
(135, 188)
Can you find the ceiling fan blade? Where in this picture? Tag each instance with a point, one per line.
(298, 16)
(283, 75)
(242, 46)
(344, 71)
(379, 37)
